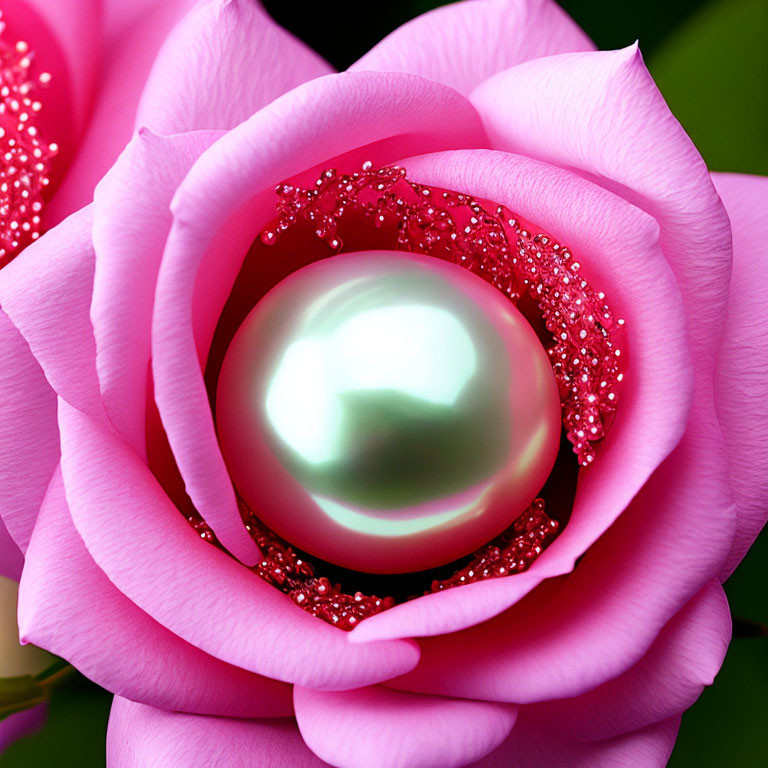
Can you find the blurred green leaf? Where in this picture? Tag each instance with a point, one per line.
(746, 589)
(713, 73)
(25, 691)
(74, 735)
(613, 25)
(726, 727)
(19, 693)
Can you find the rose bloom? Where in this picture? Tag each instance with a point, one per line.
(590, 656)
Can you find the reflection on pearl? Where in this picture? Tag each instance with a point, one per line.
(387, 412)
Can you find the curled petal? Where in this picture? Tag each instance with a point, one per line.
(539, 744)
(29, 443)
(140, 736)
(46, 292)
(601, 113)
(131, 219)
(683, 660)
(386, 729)
(224, 61)
(11, 558)
(462, 44)
(68, 606)
(742, 365)
(128, 57)
(198, 592)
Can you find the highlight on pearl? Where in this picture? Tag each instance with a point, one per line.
(387, 412)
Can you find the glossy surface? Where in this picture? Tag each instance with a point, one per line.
(387, 412)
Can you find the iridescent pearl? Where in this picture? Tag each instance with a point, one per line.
(387, 412)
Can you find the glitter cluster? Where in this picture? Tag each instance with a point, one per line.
(284, 568)
(24, 156)
(513, 551)
(504, 250)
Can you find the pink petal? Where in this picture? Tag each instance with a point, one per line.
(46, 292)
(212, 233)
(683, 660)
(464, 43)
(317, 122)
(120, 15)
(385, 729)
(573, 634)
(223, 62)
(602, 114)
(192, 588)
(21, 724)
(123, 73)
(742, 366)
(537, 744)
(69, 607)
(11, 558)
(141, 736)
(617, 246)
(132, 207)
(29, 443)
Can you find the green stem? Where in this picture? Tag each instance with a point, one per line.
(25, 691)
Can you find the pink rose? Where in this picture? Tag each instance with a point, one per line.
(87, 62)
(586, 659)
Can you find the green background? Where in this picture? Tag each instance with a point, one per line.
(710, 60)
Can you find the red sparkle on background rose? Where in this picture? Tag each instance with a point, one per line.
(25, 156)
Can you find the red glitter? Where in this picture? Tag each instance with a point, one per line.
(24, 156)
(513, 551)
(501, 248)
(282, 567)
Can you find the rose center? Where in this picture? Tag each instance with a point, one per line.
(387, 412)
(375, 207)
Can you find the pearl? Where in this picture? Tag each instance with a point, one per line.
(387, 412)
